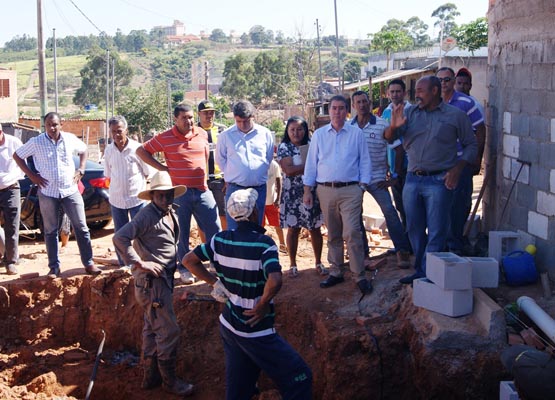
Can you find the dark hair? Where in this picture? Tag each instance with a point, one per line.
(116, 119)
(359, 93)
(181, 108)
(52, 114)
(433, 81)
(398, 82)
(304, 124)
(447, 69)
(339, 97)
(243, 109)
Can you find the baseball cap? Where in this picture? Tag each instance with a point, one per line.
(206, 105)
(241, 203)
(464, 72)
(533, 371)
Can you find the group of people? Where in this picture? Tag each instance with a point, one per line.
(427, 153)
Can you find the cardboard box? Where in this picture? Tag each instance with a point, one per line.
(453, 303)
(449, 271)
(485, 272)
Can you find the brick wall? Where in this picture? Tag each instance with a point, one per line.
(521, 123)
(77, 126)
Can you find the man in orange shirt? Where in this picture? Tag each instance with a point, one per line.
(185, 149)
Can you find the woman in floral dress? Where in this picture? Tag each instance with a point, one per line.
(293, 214)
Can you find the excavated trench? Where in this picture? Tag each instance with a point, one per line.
(382, 348)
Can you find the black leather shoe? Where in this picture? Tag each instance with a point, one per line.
(407, 280)
(365, 286)
(332, 281)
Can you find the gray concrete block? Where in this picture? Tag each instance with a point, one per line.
(526, 195)
(485, 272)
(533, 104)
(529, 150)
(502, 243)
(532, 52)
(549, 51)
(540, 128)
(541, 76)
(539, 177)
(519, 76)
(449, 271)
(453, 303)
(547, 155)
(513, 53)
(520, 124)
(518, 217)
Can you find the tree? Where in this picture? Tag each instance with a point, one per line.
(445, 15)
(93, 77)
(218, 36)
(137, 40)
(418, 31)
(352, 70)
(237, 78)
(473, 35)
(21, 43)
(260, 36)
(390, 41)
(145, 108)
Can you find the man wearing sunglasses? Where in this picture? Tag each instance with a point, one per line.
(462, 198)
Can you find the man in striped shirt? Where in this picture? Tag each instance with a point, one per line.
(247, 265)
(185, 149)
(373, 128)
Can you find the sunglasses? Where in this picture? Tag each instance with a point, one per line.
(448, 79)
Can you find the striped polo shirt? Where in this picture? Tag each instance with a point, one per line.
(377, 146)
(186, 155)
(243, 258)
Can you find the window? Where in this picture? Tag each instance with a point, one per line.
(4, 88)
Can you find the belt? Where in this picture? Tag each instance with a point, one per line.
(14, 186)
(420, 172)
(247, 187)
(338, 184)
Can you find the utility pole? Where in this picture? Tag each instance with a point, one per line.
(320, 94)
(55, 69)
(206, 80)
(113, 85)
(339, 74)
(107, 92)
(42, 66)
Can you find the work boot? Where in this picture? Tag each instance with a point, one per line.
(171, 383)
(151, 374)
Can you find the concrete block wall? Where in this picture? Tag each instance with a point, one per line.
(521, 123)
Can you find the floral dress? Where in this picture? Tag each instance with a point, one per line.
(292, 211)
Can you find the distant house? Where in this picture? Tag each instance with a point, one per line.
(177, 29)
(176, 41)
(8, 95)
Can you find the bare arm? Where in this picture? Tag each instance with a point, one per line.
(194, 264)
(150, 160)
(398, 119)
(272, 287)
(290, 169)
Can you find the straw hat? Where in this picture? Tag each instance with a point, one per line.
(162, 181)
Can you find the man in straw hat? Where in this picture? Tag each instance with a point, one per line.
(247, 264)
(148, 244)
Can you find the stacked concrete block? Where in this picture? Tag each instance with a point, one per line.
(453, 303)
(502, 243)
(449, 271)
(485, 272)
(448, 287)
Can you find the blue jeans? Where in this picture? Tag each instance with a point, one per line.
(462, 203)
(246, 357)
(74, 208)
(121, 216)
(428, 204)
(394, 226)
(202, 206)
(10, 207)
(260, 203)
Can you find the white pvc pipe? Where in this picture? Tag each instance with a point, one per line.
(538, 315)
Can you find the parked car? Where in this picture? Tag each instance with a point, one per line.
(95, 197)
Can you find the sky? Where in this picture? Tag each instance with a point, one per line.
(356, 18)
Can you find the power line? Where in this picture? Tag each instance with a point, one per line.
(85, 15)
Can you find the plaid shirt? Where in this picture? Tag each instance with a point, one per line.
(54, 161)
